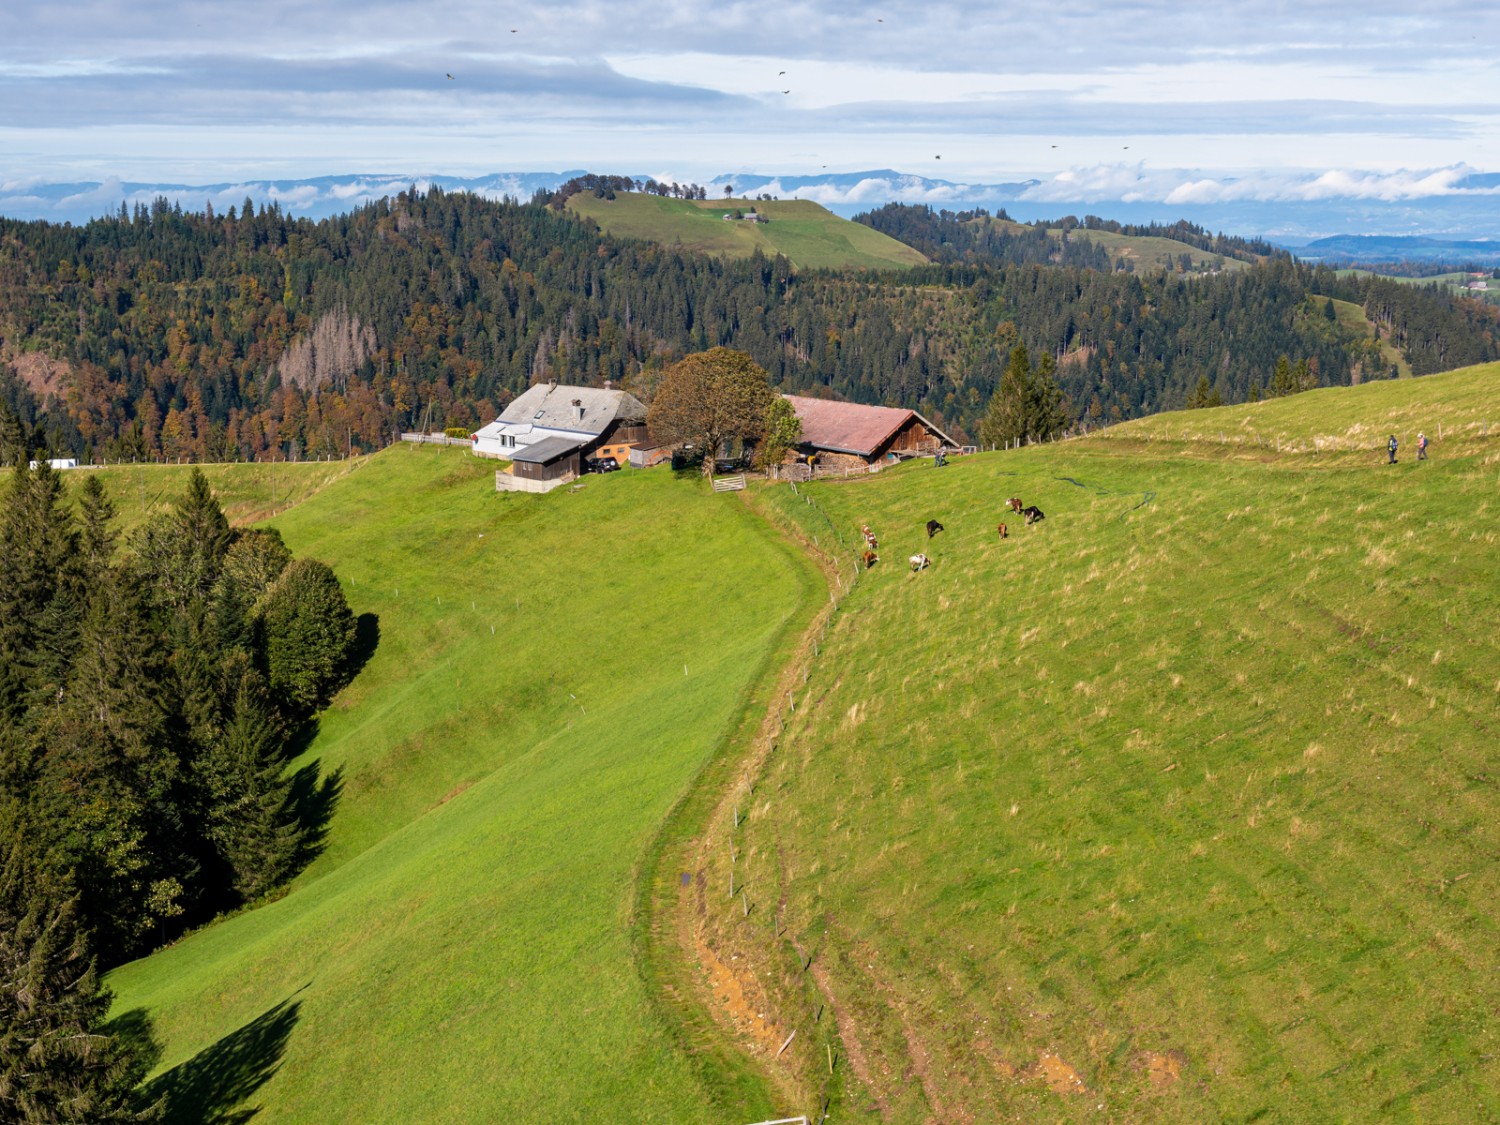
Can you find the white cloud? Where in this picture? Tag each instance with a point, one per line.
(1134, 183)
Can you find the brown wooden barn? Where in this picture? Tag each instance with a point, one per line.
(849, 435)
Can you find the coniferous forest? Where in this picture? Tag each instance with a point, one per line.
(163, 334)
(150, 696)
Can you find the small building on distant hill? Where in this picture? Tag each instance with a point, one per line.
(849, 435)
(590, 417)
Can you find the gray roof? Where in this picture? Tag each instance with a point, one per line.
(551, 406)
(548, 449)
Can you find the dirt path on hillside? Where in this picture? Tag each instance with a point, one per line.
(729, 982)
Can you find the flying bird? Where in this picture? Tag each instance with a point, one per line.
(450, 77)
(786, 91)
(779, 73)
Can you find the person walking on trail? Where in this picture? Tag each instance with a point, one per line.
(1390, 447)
(1421, 447)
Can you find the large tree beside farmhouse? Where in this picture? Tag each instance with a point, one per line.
(710, 398)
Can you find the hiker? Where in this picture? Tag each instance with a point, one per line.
(1421, 446)
(1390, 447)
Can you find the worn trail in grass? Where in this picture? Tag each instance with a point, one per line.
(1182, 804)
(551, 673)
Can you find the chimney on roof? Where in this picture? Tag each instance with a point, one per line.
(609, 384)
(578, 407)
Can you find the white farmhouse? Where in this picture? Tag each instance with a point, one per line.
(597, 422)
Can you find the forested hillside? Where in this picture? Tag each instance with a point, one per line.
(978, 236)
(163, 333)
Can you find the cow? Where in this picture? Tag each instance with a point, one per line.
(1015, 504)
(933, 527)
(1033, 515)
(870, 559)
(1004, 534)
(920, 562)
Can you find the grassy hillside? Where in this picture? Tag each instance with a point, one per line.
(1179, 806)
(1144, 252)
(1350, 315)
(808, 235)
(247, 492)
(1458, 410)
(548, 680)
(1147, 253)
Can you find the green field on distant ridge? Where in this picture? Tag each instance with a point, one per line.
(807, 234)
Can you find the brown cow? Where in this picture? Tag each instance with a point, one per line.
(1004, 534)
(1015, 504)
(871, 558)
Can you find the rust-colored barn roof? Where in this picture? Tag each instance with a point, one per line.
(848, 427)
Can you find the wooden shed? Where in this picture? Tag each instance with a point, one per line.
(548, 463)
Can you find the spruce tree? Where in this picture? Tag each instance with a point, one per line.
(1203, 395)
(181, 552)
(58, 1061)
(39, 590)
(1005, 419)
(1028, 405)
(13, 451)
(253, 822)
(110, 782)
(96, 539)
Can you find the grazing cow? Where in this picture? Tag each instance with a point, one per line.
(1015, 504)
(920, 562)
(1033, 515)
(1004, 534)
(871, 558)
(933, 527)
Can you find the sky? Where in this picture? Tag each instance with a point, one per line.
(1179, 102)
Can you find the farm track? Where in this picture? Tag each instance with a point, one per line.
(715, 1006)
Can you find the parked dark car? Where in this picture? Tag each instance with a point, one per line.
(601, 465)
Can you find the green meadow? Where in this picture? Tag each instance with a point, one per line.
(1181, 805)
(1149, 253)
(551, 674)
(247, 492)
(1145, 252)
(808, 235)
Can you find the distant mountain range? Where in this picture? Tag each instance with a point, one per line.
(1409, 248)
(1453, 207)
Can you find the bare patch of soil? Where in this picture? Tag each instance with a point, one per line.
(1059, 1076)
(737, 995)
(1164, 1069)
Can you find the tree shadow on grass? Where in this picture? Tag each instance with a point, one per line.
(366, 641)
(134, 1043)
(314, 798)
(212, 1086)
